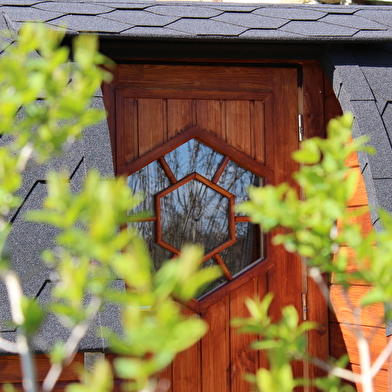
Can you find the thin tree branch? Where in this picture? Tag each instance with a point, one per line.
(27, 364)
(337, 371)
(385, 353)
(71, 345)
(15, 296)
(8, 346)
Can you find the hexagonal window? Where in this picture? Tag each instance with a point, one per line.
(194, 213)
(191, 190)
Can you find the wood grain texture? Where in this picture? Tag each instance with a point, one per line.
(238, 125)
(215, 348)
(151, 124)
(380, 381)
(180, 116)
(370, 316)
(193, 77)
(352, 267)
(210, 116)
(313, 110)
(363, 220)
(258, 131)
(10, 368)
(313, 100)
(187, 366)
(242, 358)
(343, 340)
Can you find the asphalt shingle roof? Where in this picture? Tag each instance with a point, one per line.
(361, 75)
(199, 20)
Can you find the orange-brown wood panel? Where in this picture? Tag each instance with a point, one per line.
(380, 381)
(313, 110)
(167, 375)
(242, 359)
(210, 116)
(258, 115)
(352, 160)
(127, 138)
(215, 348)
(352, 267)
(180, 116)
(191, 77)
(262, 288)
(363, 220)
(187, 367)
(313, 100)
(375, 336)
(238, 125)
(10, 368)
(151, 123)
(360, 196)
(343, 313)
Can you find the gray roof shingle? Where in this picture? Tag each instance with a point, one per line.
(287, 22)
(360, 72)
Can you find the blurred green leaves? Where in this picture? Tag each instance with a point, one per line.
(320, 228)
(45, 105)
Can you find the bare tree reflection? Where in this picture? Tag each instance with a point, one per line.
(194, 212)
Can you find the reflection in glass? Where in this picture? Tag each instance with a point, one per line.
(213, 285)
(157, 254)
(246, 250)
(237, 180)
(193, 156)
(148, 181)
(194, 213)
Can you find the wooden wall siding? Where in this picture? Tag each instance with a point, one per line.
(10, 371)
(342, 340)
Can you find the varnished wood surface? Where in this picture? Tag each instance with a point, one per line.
(253, 112)
(343, 338)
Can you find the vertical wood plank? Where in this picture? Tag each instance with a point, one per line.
(215, 348)
(187, 367)
(150, 124)
(179, 116)
(262, 290)
(242, 358)
(209, 116)
(126, 136)
(167, 374)
(258, 146)
(238, 125)
(313, 100)
(282, 131)
(314, 125)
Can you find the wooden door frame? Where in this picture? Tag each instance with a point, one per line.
(312, 108)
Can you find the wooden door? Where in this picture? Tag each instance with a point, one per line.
(249, 113)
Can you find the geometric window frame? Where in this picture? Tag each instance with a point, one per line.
(230, 154)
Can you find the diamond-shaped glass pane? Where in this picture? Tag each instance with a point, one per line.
(148, 181)
(237, 180)
(193, 156)
(246, 250)
(158, 254)
(195, 213)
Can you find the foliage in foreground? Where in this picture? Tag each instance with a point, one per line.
(44, 107)
(311, 230)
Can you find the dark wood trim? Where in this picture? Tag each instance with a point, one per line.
(257, 268)
(205, 137)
